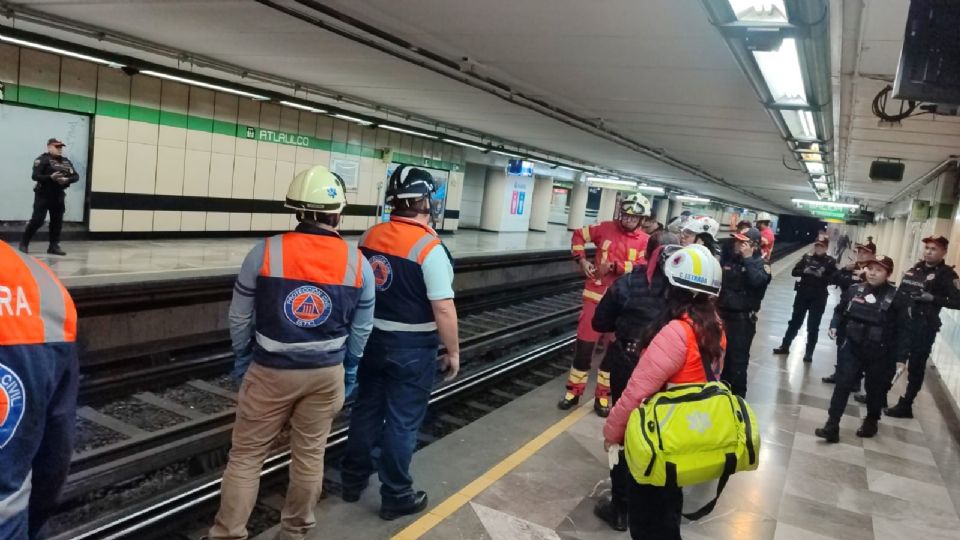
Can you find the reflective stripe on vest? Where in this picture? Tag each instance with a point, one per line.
(393, 326)
(274, 346)
(34, 306)
(18, 500)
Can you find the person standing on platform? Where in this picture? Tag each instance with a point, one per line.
(816, 273)
(875, 321)
(415, 313)
(53, 173)
(842, 244)
(701, 230)
(628, 308)
(303, 300)
(620, 247)
(845, 278)
(38, 392)
(686, 339)
(766, 234)
(871, 245)
(745, 278)
(928, 286)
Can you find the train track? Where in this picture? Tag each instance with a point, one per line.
(527, 334)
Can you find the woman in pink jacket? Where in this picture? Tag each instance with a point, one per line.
(689, 331)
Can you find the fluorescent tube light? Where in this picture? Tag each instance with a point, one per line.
(800, 124)
(650, 189)
(353, 119)
(691, 198)
(826, 204)
(407, 131)
(301, 106)
(759, 10)
(806, 156)
(57, 50)
(504, 154)
(814, 167)
(611, 182)
(565, 167)
(202, 84)
(781, 71)
(468, 145)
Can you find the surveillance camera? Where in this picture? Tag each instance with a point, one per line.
(130, 70)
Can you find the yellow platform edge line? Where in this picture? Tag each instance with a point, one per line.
(453, 503)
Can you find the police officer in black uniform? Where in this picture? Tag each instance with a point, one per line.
(876, 322)
(816, 273)
(927, 287)
(631, 304)
(745, 279)
(845, 278)
(53, 173)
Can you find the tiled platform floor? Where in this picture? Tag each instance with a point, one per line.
(124, 261)
(904, 484)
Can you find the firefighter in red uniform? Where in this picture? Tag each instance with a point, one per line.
(620, 247)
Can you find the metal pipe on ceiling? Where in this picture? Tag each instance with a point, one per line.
(917, 184)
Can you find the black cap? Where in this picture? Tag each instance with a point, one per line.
(55, 142)
(938, 239)
(885, 262)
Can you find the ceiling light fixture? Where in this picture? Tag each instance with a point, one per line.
(759, 10)
(302, 107)
(353, 119)
(194, 82)
(57, 50)
(800, 124)
(781, 71)
(610, 183)
(408, 131)
(650, 189)
(468, 145)
(502, 153)
(565, 167)
(691, 198)
(814, 167)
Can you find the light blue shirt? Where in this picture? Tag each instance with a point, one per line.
(438, 274)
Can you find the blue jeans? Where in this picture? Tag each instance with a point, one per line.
(394, 391)
(351, 364)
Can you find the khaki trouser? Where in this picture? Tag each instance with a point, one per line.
(309, 399)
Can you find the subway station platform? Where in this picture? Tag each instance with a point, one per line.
(107, 262)
(530, 471)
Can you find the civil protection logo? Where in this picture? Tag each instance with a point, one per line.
(307, 306)
(382, 272)
(12, 404)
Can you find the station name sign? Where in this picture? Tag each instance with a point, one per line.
(279, 137)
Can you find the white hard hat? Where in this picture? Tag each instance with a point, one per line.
(694, 268)
(763, 216)
(702, 224)
(317, 189)
(635, 204)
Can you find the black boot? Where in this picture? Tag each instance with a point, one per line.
(830, 379)
(860, 397)
(568, 402)
(614, 517)
(868, 428)
(808, 358)
(903, 409)
(830, 431)
(415, 505)
(24, 246)
(54, 249)
(602, 410)
(782, 349)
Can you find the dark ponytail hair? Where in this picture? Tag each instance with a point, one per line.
(702, 310)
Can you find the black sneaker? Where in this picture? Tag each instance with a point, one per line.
(830, 379)
(607, 511)
(808, 359)
(55, 250)
(830, 432)
(860, 397)
(24, 247)
(901, 410)
(416, 505)
(568, 402)
(781, 350)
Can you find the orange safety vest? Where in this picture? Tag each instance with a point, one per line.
(693, 369)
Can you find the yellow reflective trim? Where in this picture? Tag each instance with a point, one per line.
(577, 247)
(603, 378)
(592, 295)
(586, 233)
(697, 264)
(606, 245)
(632, 254)
(627, 267)
(577, 376)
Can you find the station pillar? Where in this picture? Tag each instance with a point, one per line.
(540, 207)
(663, 210)
(676, 208)
(608, 204)
(506, 201)
(894, 245)
(578, 203)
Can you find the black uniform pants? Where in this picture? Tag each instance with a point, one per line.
(621, 368)
(922, 336)
(856, 361)
(654, 511)
(41, 205)
(810, 305)
(740, 328)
